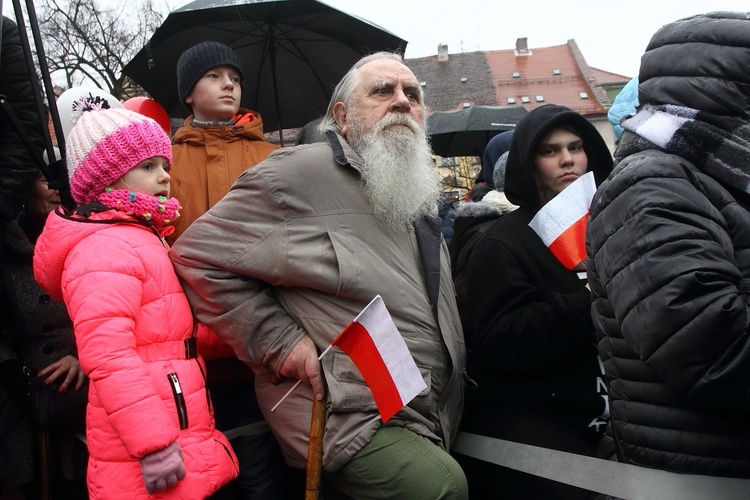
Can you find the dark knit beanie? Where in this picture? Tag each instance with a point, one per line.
(200, 58)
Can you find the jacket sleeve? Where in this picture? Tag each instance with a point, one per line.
(674, 267)
(103, 292)
(516, 324)
(17, 167)
(229, 260)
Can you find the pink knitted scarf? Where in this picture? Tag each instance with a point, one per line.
(155, 210)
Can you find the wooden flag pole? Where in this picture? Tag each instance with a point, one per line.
(315, 449)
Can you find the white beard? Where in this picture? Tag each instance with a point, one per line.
(399, 173)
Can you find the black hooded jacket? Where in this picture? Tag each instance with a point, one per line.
(17, 167)
(532, 339)
(669, 248)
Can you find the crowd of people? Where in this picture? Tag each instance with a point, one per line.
(201, 274)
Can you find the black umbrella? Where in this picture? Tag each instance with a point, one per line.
(293, 53)
(467, 131)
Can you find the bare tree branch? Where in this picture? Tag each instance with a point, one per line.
(458, 173)
(86, 42)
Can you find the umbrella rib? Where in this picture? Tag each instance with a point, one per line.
(275, 32)
(264, 54)
(300, 40)
(303, 57)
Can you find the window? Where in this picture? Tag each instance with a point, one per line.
(464, 79)
(511, 100)
(555, 71)
(525, 100)
(516, 74)
(539, 98)
(466, 105)
(583, 95)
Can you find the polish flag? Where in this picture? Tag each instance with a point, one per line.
(561, 223)
(374, 344)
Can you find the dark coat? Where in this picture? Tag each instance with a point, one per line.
(17, 169)
(670, 278)
(39, 332)
(472, 220)
(532, 340)
(669, 249)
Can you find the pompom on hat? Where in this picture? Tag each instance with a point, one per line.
(69, 108)
(200, 58)
(105, 144)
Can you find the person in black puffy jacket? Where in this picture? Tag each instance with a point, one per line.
(669, 247)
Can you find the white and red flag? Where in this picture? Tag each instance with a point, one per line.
(374, 344)
(561, 223)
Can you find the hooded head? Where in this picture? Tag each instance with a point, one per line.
(700, 62)
(498, 174)
(520, 179)
(496, 147)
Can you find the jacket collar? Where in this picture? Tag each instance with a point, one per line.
(343, 154)
(199, 135)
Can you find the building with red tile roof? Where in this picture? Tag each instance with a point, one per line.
(523, 76)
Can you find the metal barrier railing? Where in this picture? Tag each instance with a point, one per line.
(602, 476)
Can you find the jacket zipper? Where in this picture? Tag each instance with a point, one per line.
(179, 400)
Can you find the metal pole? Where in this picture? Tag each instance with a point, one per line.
(45, 463)
(57, 172)
(46, 78)
(272, 56)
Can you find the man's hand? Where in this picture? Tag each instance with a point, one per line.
(69, 369)
(303, 364)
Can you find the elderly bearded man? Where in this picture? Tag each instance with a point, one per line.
(301, 244)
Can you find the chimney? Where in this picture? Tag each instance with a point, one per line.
(522, 47)
(442, 52)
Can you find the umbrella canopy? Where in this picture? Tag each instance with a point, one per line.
(293, 53)
(467, 131)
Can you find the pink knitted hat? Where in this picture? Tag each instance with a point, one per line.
(107, 143)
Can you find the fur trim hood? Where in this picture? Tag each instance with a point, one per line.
(493, 203)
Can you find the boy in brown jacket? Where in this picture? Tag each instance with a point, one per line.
(219, 140)
(216, 144)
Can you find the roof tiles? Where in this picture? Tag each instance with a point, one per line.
(489, 79)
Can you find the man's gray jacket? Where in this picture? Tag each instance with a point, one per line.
(294, 249)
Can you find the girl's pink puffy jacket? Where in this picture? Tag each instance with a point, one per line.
(133, 327)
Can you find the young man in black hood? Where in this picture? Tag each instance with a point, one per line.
(531, 344)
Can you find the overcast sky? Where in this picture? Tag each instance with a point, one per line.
(612, 34)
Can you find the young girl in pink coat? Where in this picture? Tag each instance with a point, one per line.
(149, 422)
